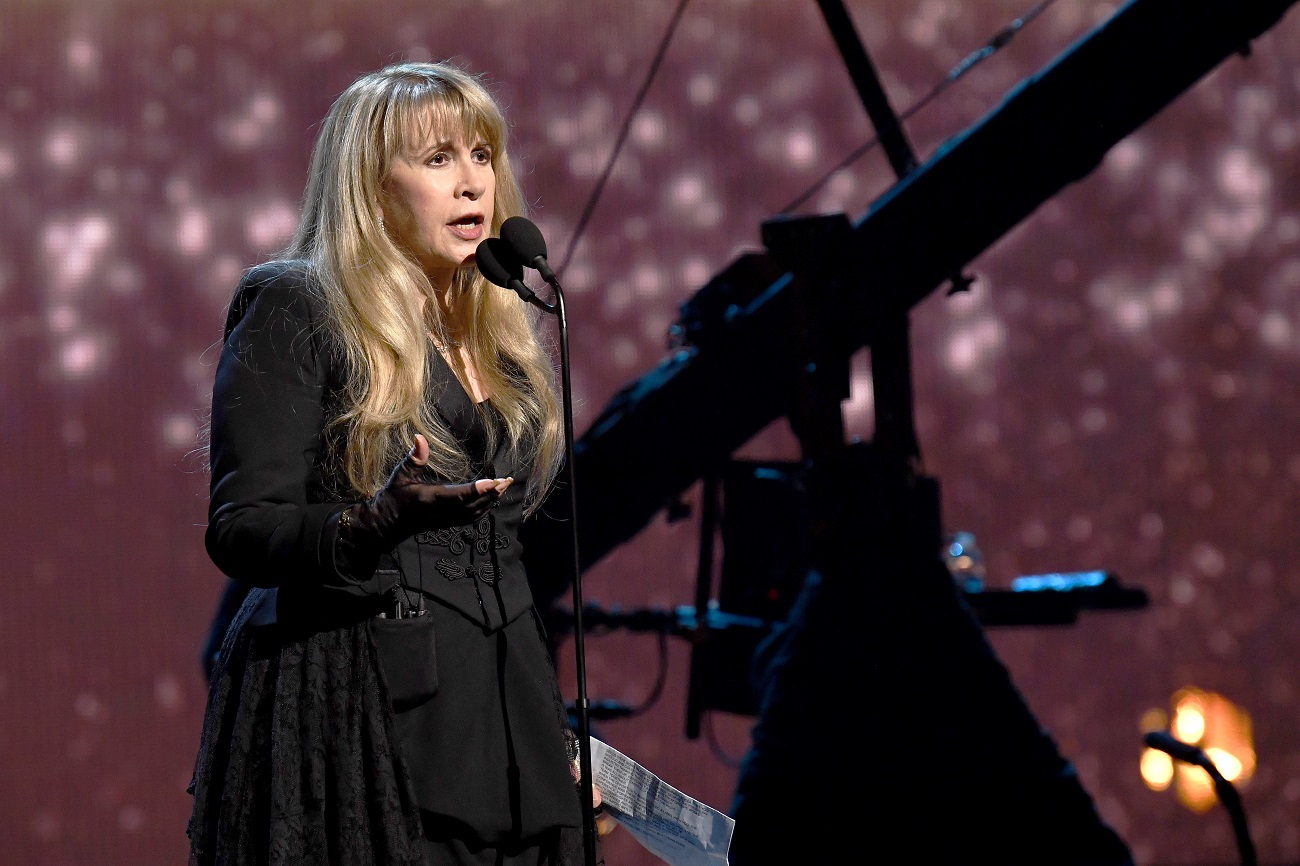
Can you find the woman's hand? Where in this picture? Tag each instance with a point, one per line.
(413, 500)
(605, 823)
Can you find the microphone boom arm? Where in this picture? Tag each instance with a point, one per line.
(652, 441)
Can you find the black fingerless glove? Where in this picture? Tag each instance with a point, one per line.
(411, 501)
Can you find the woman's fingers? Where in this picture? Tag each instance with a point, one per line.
(605, 824)
(492, 485)
(486, 492)
(479, 496)
(419, 452)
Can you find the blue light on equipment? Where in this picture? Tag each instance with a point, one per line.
(1062, 582)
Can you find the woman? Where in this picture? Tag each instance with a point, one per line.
(382, 422)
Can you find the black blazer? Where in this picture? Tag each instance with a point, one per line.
(273, 512)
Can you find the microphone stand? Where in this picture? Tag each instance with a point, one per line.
(579, 651)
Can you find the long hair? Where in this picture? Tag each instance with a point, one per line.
(374, 292)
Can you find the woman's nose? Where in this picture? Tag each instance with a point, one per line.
(472, 183)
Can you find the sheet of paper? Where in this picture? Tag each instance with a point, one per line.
(677, 829)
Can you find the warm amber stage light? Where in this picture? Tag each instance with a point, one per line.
(1220, 728)
(1189, 717)
(1157, 769)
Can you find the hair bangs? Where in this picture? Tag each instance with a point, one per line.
(423, 110)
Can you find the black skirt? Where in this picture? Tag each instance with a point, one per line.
(301, 761)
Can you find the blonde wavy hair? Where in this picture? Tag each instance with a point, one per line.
(374, 292)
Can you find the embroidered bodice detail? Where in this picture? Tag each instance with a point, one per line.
(480, 537)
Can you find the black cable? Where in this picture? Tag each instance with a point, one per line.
(658, 688)
(1228, 796)
(607, 710)
(596, 191)
(402, 591)
(711, 737)
(999, 41)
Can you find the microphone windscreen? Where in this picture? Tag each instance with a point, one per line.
(497, 263)
(523, 238)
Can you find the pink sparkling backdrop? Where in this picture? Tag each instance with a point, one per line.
(1118, 392)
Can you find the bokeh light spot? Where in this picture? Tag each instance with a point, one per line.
(1157, 769)
(82, 357)
(180, 431)
(269, 226)
(702, 89)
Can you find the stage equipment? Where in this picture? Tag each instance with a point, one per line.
(761, 513)
(652, 441)
(879, 621)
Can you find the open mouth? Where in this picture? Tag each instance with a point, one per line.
(467, 227)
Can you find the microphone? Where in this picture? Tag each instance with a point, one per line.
(500, 266)
(1176, 748)
(525, 240)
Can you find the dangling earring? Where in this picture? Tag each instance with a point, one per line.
(381, 225)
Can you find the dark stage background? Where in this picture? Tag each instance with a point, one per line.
(1119, 391)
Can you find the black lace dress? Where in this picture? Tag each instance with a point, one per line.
(335, 731)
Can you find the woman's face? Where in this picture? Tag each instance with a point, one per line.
(438, 202)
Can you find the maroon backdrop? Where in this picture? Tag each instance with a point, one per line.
(1118, 392)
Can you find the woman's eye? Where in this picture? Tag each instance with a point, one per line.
(438, 159)
(483, 155)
